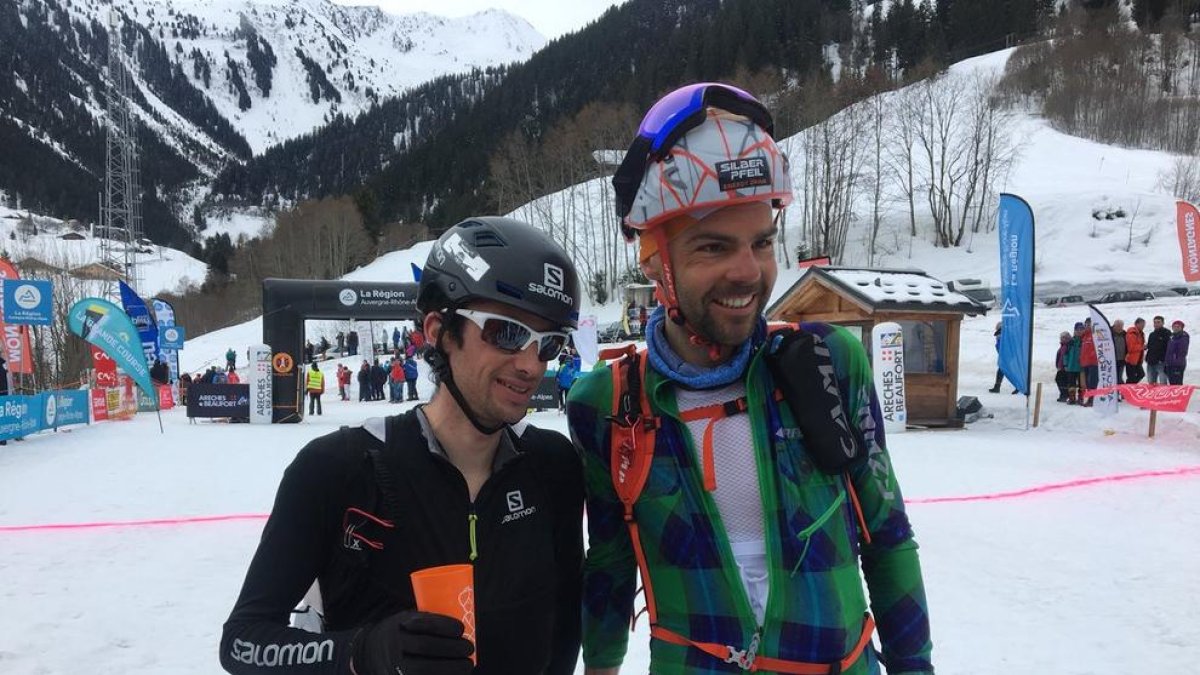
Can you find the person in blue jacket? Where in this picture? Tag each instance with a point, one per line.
(568, 371)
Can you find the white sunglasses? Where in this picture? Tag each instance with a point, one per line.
(512, 336)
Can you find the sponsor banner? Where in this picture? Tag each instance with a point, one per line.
(103, 324)
(1160, 397)
(546, 396)
(218, 400)
(146, 402)
(21, 415)
(1016, 290)
(1106, 360)
(259, 373)
(16, 346)
(28, 302)
(147, 329)
(586, 339)
(63, 407)
(171, 338)
(164, 316)
(1188, 217)
(106, 368)
(166, 397)
(99, 399)
(887, 343)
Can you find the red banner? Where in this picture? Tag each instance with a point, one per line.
(823, 261)
(166, 398)
(106, 368)
(1161, 397)
(1188, 218)
(99, 405)
(15, 338)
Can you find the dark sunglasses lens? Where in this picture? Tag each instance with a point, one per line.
(551, 346)
(505, 335)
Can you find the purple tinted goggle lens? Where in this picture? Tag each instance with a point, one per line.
(677, 107)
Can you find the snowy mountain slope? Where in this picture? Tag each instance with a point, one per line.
(276, 69)
(1065, 179)
(160, 270)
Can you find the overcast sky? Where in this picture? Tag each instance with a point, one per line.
(551, 18)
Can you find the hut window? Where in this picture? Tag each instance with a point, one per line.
(924, 346)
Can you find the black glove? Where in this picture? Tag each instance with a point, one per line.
(413, 643)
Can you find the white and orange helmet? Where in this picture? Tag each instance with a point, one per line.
(688, 156)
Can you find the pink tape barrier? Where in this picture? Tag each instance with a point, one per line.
(989, 497)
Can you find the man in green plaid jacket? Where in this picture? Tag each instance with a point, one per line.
(750, 554)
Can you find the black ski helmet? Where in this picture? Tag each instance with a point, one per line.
(505, 260)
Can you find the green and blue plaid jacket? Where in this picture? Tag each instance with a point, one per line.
(816, 603)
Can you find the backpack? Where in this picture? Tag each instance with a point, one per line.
(802, 369)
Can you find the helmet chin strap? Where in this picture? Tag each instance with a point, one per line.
(439, 360)
(668, 297)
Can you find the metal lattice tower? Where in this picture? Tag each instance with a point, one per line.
(121, 213)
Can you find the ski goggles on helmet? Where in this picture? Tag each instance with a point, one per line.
(669, 120)
(512, 336)
(702, 147)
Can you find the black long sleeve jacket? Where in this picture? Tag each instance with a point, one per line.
(360, 522)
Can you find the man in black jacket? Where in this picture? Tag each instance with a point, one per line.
(1156, 351)
(459, 480)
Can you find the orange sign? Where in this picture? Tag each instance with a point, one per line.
(283, 363)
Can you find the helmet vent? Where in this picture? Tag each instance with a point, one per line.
(509, 290)
(486, 238)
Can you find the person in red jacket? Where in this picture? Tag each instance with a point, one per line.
(343, 380)
(1089, 365)
(1135, 352)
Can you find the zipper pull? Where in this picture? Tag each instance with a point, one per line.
(471, 519)
(752, 650)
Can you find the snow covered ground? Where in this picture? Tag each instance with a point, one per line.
(1091, 579)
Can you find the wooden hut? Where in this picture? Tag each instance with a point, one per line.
(927, 310)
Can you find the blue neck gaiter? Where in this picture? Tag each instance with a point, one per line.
(666, 361)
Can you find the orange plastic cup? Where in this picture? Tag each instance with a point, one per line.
(449, 590)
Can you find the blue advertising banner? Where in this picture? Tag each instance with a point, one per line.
(63, 407)
(20, 415)
(103, 324)
(27, 301)
(1016, 290)
(147, 329)
(170, 339)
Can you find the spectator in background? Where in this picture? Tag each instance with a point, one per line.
(642, 316)
(232, 377)
(396, 338)
(160, 372)
(341, 343)
(343, 380)
(1175, 361)
(378, 379)
(364, 381)
(1089, 363)
(185, 381)
(316, 387)
(1071, 362)
(999, 373)
(1156, 351)
(1061, 377)
(230, 358)
(410, 377)
(1119, 349)
(308, 351)
(1135, 351)
(565, 377)
(395, 380)
(323, 346)
(352, 342)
